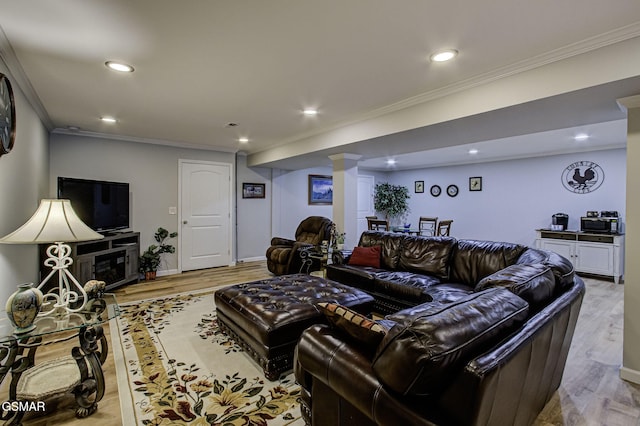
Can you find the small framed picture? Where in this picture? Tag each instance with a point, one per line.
(253, 190)
(419, 186)
(475, 183)
(320, 189)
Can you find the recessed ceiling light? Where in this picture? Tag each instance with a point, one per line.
(119, 66)
(310, 111)
(108, 119)
(581, 137)
(444, 55)
(473, 151)
(243, 140)
(391, 162)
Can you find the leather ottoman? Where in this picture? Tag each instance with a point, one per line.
(267, 317)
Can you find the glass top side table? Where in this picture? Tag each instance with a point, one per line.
(79, 373)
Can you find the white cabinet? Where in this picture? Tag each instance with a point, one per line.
(590, 253)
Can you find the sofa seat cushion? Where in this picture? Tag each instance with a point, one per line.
(474, 260)
(534, 283)
(404, 285)
(427, 255)
(449, 292)
(419, 355)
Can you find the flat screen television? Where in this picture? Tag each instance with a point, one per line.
(102, 205)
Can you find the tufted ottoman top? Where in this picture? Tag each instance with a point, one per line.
(275, 311)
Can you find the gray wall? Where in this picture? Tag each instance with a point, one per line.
(24, 174)
(150, 170)
(518, 196)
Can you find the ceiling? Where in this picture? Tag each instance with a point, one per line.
(209, 72)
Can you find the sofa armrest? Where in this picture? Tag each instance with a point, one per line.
(531, 362)
(341, 257)
(322, 354)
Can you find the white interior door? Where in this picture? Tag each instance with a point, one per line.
(205, 215)
(365, 203)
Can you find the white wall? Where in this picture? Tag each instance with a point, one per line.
(517, 197)
(253, 214)
(291, 200)
(24, 174)
(150, 170)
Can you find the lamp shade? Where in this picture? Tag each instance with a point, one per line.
(54, 221)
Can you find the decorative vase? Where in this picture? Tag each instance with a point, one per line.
(23, 307)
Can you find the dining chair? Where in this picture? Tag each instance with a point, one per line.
(378, 224)
(427, 225)
(444, 228)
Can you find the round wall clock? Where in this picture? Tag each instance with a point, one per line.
(7, 116)
(435, 190)
(452, 190)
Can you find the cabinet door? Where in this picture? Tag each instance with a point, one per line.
(84, 269)
(131, 267)
(594, 258)
(563, 248)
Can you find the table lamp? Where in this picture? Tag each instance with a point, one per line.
(56, 222)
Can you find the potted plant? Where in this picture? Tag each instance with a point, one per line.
(337, 238)
(391, 200)
(151, 257)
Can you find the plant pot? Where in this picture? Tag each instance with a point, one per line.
(23, 307)
(150, 276)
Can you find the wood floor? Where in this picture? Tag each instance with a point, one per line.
(591, 392)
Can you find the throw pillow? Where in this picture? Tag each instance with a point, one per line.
(355, 325)
(366, 256)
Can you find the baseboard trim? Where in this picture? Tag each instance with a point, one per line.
(166, 272)
(252, 259)
(630, 375)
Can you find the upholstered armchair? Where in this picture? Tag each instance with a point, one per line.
(283, 257)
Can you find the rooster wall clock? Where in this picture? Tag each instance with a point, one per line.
(582, 177)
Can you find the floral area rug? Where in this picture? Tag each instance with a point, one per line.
(175, 367)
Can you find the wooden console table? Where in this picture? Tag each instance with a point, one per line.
(599, 254)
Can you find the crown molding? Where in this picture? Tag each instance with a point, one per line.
(584, 46)
(135, 139)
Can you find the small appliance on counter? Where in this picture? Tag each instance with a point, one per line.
(606, 223)
(559, 222)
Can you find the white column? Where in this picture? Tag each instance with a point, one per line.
(631, 337)
(345, 195)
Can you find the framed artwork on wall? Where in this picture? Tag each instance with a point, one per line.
(419, 186)
(253, 190)
(320, 189)
(475, 183)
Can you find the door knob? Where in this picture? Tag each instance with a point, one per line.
(184, 222)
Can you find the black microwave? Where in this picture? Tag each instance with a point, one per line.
(605, 225)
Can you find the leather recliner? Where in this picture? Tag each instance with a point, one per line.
(283, 256)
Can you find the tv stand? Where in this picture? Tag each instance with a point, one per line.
(113, 259)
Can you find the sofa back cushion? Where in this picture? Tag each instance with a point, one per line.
(474, 260)
(534, 283)
(390, 244)
(421, 352)
(561, 267)
(426, 255)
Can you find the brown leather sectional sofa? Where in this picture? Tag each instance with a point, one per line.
(477, 333)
